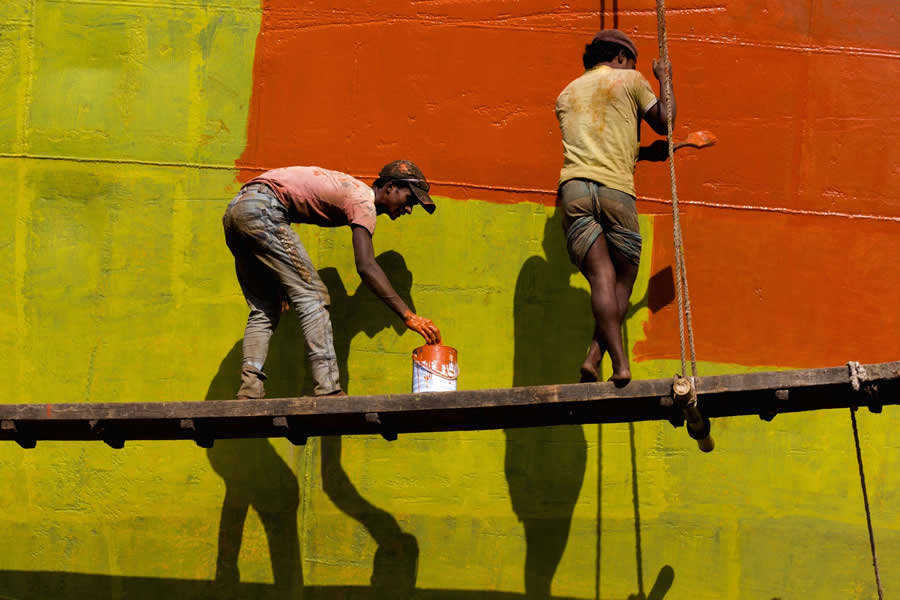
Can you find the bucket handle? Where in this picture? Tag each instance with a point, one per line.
(433, 372)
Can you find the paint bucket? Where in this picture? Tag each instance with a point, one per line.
(434, 369)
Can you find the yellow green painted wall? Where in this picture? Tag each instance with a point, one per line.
(120, 124)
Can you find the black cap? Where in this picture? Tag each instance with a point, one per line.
(404, 171)
(614, 36)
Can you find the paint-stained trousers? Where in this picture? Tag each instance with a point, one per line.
(271, 263)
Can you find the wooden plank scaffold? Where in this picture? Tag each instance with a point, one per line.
(765, 394)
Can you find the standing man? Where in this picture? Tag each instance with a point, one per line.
(272, 265)
(599, 116)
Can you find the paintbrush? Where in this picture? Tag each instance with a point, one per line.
(698, 139)
(658, 151)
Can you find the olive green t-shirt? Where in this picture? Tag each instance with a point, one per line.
(599, 116)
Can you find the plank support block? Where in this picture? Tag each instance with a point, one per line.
(25, 441)
(107, 433)
(676, 417)
(870, 390)
(373, 418)
(202, 438)
(287, 428)
(773, 406)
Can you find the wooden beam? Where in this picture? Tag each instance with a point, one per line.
(766, 394)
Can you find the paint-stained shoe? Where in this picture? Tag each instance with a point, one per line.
(252, 387)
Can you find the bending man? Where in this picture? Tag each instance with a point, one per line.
(599, 116)
(272, 265)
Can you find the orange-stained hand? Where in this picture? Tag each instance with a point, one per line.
(424, 327)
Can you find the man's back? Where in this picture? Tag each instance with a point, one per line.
(599, 117)
(322, 197)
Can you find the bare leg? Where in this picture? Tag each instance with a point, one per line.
(589, 369)
(611, 278)
(626, 273)
(625, 278)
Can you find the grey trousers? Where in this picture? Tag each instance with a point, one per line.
(271, 263)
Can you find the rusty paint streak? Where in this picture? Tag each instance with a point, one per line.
(807, 48)
(281, 11)
(777, 209)
(165, 5)
(124, 161)
(517, 23)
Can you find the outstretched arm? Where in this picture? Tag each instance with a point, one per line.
(659, 149)
(656, 116)
(375, 279)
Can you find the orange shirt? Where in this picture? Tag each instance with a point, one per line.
(321, 197)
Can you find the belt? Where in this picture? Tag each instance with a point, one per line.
(265, 190)
(259, 186)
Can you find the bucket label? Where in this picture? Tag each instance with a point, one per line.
(447, 370)
(435, 375)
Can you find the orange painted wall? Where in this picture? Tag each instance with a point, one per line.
(799, 94)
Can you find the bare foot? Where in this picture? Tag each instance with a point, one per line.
(588, 375)
(336, 393)
(621, 378)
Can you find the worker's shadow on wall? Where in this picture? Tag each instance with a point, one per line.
(396, 560)
(256, 476)
(545, 467)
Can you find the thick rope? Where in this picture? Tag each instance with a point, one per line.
(684, 299)
(862, 481)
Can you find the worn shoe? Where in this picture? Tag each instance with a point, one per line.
(252, 387)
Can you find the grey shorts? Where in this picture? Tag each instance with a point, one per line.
(591, 209)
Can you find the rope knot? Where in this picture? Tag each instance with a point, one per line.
(857, 374)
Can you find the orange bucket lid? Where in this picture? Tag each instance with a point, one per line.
(435, 353)
(437, 359)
